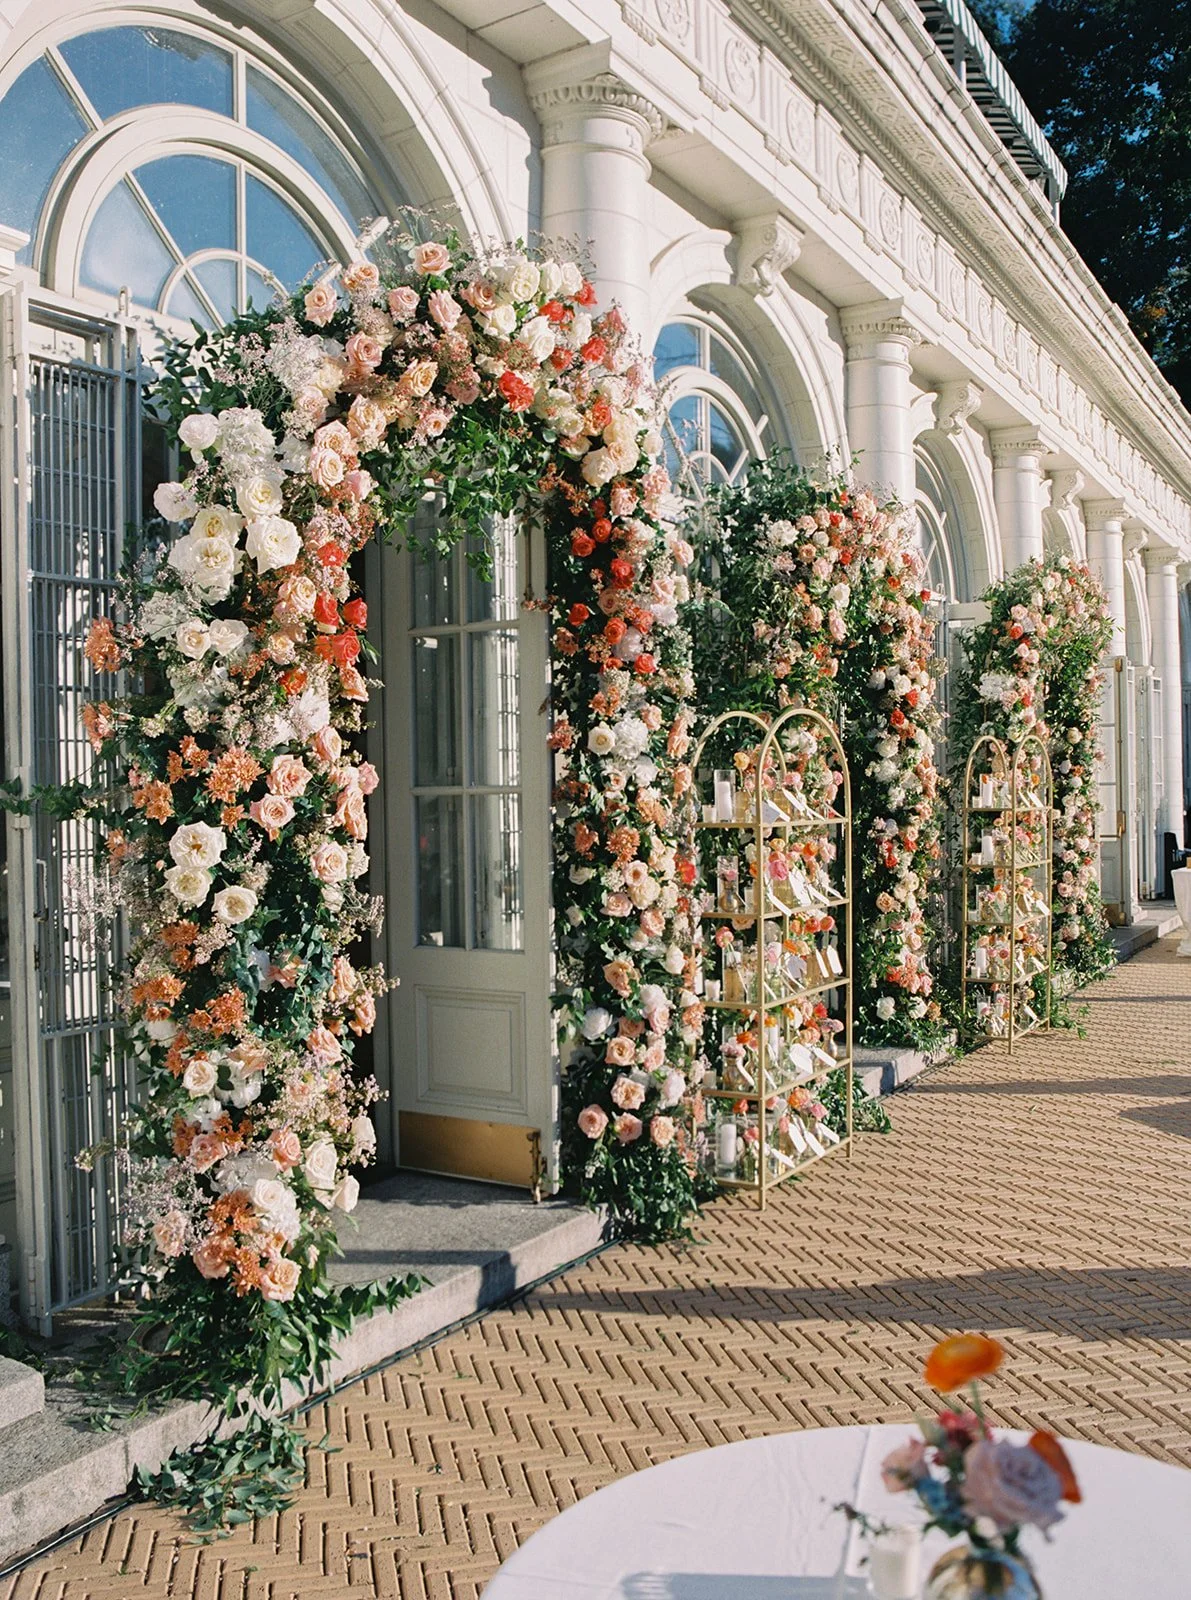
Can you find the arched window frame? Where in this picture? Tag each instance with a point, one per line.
(939, 531)
(110, 151)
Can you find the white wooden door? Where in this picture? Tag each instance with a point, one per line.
(466, 824)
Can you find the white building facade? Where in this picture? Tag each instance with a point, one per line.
(832, 221)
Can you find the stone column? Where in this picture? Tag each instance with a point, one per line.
(594, 180)
(1162, 598)
(1017, 492)
(1106, 558)
(878, 394)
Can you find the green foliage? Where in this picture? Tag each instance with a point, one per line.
(225, 1481)
(868, 1113)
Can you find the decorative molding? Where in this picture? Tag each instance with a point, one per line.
(12, 242)
(766, 247)
(1136, 539)
(1065, 484)
(878, 322)
(560, 104)
(1008, 444)
(1159, 557)
(1100, 515)
(955, 403)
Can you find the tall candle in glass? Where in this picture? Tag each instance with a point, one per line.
(724, 793)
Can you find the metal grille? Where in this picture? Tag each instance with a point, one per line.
(83, 455)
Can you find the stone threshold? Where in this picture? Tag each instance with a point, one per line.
(475, 1244)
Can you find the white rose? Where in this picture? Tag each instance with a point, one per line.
(599, 467)
(674, 960)
(363, 1135)
(310, 713)
(672, 1090)
(174, 502)
(886, 1006)
(259, 495)
(523, 280)
(320, 1165)
(217, 522)
(188, 885)
(197, 844)
(551, 279)
(538, 338)
(198, 431)
(499, 322)
(208, 565)
(570, 278)
(346, 1193)
(235, 904)
(245, 1091)
(161, 1030)
(601, 741)
(596, 1022)
(227, 635)
(272, 542)
(580, 328)
(193, 639)
(200, 1077)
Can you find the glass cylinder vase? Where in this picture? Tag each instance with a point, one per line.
(968, 1572)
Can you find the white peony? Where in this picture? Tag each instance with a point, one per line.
(193, 638)
(886, 1006)
(599, 466)
(174, 502)
(596, 1022)
(674, 960)
(161, 1030)
(188, 885)
(198, 844)
(227, 635)
(320, 1165)
(242, 432)
(310, 713)
(272, 542)
(235, 904)
(198, 431)
(259, 495)
(200, 1077)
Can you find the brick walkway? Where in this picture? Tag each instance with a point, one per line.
(1043, 1199)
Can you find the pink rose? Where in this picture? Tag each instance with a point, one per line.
(320, 304)
(480, 295)
(662, 1130)
(350, 812)
(627, 1127)
(1010, 1484)
(403, 303)
(903, 1467)
(433, 420)
(626, 1093)
(362, 350)
(368, 777)
(654, 1057)
(617, 904)
(430, 258)
(465, 389)
(360, 277)
(326, 467)
(272, 812)
(324, 1046)
(211, 1259)
(444, 308)
(364, 1017)
(205, 1151)
(592, 1121)
(288, 776)
(169, 1233)
(619, 1053)
(280, 1281)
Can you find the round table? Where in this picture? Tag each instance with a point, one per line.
(753, 1521)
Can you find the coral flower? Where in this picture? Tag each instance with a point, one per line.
(1045, 1444)
(961, 1359)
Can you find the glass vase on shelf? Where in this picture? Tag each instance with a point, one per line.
(978, 1572)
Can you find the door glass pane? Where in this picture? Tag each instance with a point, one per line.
(124, 67)
(281, 119)
(498, 907)
(494, 720)
(435, 589)
(185, 303)
(277, 236)
(440, 869)
(436, 713)
(195, 196)
(218, 278)
(261, 293)
(495, 599)
(677, 346)
(125, 251)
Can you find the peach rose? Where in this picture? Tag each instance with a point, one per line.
(368, 776)
(364, 1017)
(320, 304)
(324, 1046)
(272, 812)
(360, 277)
(480, 295)
(326, 467)
(403, 303)
(327, 746)
(344, 979)
(627, 1127)
(211, 1258)
(288, 776)
(280, 1280)
(286, 1148)
(418, 378)
(350, 812)
(662, 1130)
(169, 1233)
(592, 1121)
(205, 1151)
(430, 258)
(619, 976)
(444, 309)
(627, 1094)
(363, 351)
(619, 1053)
(329, 862)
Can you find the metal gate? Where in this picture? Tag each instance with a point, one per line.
(73, 397)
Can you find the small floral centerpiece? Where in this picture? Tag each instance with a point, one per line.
(973, 1484)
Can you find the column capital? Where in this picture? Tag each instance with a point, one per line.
(1161, 558)
(955, 403)
(1065, 484)
(765, 247)
(560, 105)
(1010, 443)
(1104, 516)
(878, 322)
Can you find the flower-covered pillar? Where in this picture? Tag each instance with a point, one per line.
(1106, 558)
(1017, 492)
(879, 340)
(595, 130)
(1162, 595)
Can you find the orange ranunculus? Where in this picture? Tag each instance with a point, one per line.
(960, 1359)
(1044, 1444)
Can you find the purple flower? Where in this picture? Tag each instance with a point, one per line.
(1011, 1485)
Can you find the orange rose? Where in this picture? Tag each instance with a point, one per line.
(962, 1359)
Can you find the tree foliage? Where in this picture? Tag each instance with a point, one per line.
(1108, 81)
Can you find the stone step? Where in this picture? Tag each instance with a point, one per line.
(22, 1392)
(475, 1244)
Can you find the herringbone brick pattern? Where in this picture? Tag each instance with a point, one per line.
(1044, 1199)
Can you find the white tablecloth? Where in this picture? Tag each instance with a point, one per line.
(1180, 878)
(753, 1521)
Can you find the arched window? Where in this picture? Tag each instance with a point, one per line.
(177, 166)
(717, 419)
(939, 532)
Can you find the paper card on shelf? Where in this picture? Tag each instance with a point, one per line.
(834, 963)
(828, 1133)
(800, 1059)
(796, 967)
(821, 1056)
(813, 1145)
(770, 815)
(797, 1137)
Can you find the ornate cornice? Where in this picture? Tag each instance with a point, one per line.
(560, 104)
(878, 322)
(955, 403)
(1065, 485)
(766, 247)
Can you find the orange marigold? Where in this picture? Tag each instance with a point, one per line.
(175, 769)
(227, 1012)
(623, 842)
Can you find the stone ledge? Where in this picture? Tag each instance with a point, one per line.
(22, 1392)
(882, 1069)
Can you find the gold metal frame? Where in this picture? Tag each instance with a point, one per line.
(770, 747)
(1008, 768)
